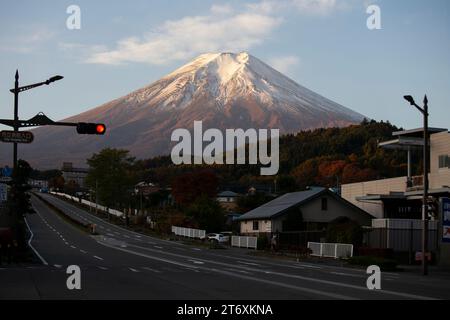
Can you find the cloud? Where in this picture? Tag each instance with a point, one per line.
(306, 7)
(284, 64)
(220, 30)
(27, 41)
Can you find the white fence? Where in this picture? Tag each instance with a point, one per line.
(190, 233)
(331, 250)
(244, 242)
(90, 204)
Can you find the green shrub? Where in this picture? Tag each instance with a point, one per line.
(263, 243)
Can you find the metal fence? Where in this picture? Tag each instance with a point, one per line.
(189, 233)
(90, 204)
(244, 242)
(400, 240)
(331, 250)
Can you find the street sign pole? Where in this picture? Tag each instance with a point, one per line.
(16, 117)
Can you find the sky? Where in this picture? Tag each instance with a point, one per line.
(324, 45)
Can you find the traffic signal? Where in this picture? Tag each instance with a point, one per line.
(91, 128)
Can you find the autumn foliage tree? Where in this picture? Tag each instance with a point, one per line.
(187, 187)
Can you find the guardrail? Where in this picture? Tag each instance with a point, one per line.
(189, 233)
(90, 204)
(244, 242)
(331, 250)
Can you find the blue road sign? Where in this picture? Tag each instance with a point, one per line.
(6, 171)
(446, 220)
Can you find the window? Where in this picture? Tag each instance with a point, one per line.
(255, 225)
(444, 161)
(324, 204)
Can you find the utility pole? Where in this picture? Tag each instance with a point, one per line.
(425, 114)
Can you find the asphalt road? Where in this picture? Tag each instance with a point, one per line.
(121, 264)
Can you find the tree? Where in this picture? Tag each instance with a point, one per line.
(187, 187)
(207, 213)
(111, 176)
(57, 182)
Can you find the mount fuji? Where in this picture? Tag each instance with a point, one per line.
(224, 90)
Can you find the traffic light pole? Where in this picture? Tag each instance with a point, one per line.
(41, 119)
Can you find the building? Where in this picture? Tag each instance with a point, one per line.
(313, 209)
(77, 175)
(397, 202)
(228, 200)
(401, 197)
(38, 184)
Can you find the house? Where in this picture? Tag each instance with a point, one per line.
(312, 209)
(227, 200)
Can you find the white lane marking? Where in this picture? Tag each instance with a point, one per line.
(57, 266)
(248, 263)
(310, 279)
(102, 268)
(31, 246)
(138, 236)
(276, 283)
(196, 249)
(196, 262)
(308, 266)
(158, 247)
(152, 270)
(82, 251)
(97, 257)
(73, 247)
(134, 270)
(348, 274)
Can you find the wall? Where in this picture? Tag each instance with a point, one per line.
(264, 226)
(312, 211)
(440, 145)
(351, 191)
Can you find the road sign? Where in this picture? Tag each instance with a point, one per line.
(3, 192)
(16, 137)
(445, 220)
(6, 172)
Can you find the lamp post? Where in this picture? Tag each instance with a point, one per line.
(425, 114)
(16, 92)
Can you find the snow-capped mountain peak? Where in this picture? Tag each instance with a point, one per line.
(224, 90)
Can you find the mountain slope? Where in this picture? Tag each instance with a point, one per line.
(224, 90)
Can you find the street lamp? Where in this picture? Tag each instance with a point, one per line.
(16, 92)
(425, 114)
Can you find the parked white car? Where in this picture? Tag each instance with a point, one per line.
(217, 237)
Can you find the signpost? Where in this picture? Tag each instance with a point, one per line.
(16, 136)
(3, 192)
(445, 220)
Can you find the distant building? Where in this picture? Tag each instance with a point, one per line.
(227, 200)
(146, 188)
(315, 208)
(77, 175)
(39, 184)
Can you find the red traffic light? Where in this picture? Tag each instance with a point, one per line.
(91, 128)
(100, 129)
